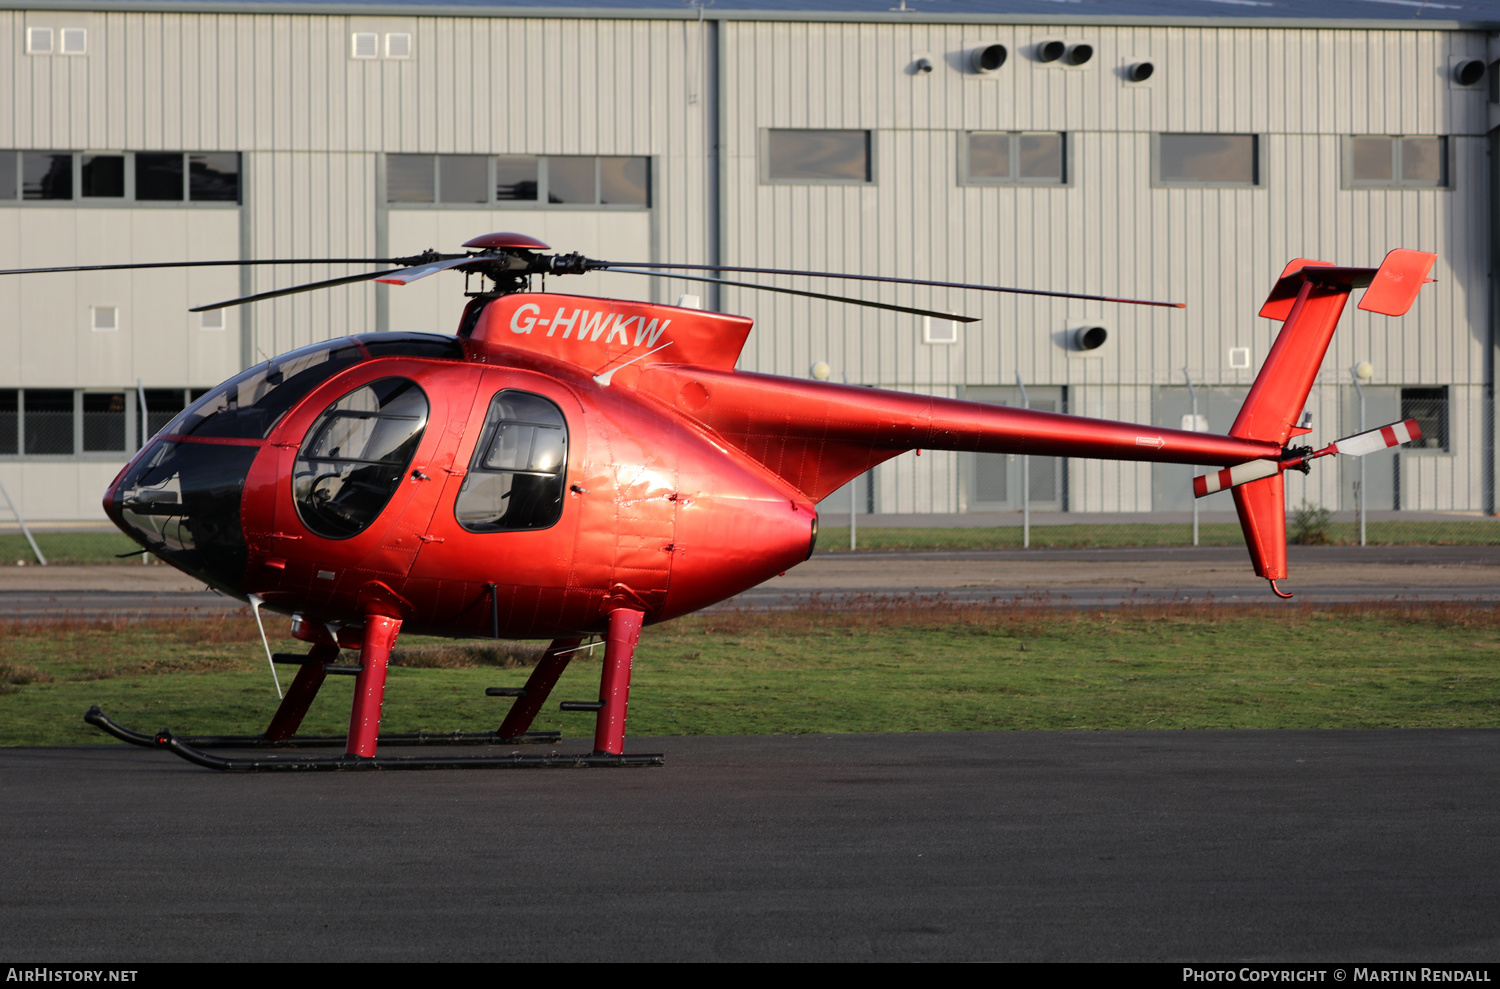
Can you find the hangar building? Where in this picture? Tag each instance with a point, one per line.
(1179, 150)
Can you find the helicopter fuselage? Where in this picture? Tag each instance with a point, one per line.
(647, 512)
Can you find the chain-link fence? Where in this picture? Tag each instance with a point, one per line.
(1438, 490)
(1049, 530)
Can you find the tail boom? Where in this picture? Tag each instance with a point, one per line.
(819, 435)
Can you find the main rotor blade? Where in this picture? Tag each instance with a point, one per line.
(199, 264)
(954, 317)
(610, 265)
(309, 287)
(406, 275)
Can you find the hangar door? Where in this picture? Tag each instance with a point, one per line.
(994, 479)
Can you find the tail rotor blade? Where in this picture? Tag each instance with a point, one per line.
(1383, 438)
(1373, 441)
(1233, 477)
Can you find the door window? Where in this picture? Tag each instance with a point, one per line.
(515, 479)
(356, 454)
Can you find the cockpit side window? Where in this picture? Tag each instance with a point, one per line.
(516, 476)
(356, 454)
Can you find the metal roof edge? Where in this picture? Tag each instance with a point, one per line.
(357, 9)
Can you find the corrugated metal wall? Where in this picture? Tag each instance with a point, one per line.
(311, 123)
(1108, 231)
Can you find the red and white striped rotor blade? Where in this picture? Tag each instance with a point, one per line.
(1373, 441)
(1230, 477)
(1376, 440)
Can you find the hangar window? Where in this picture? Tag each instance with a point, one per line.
(120, 178)
(47, 421)
(366, 45)
(1429, 406)
(840, 157)
(515, 478)
(45, 175)
(36, 421)
(1380, 161)
(104, 425)
(1013, 158)
(94, 424)
(10, 422)
(551, 181)
(1207, 159)
(103, 177)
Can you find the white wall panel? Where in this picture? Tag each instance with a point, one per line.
(310, 121)
(59, 490)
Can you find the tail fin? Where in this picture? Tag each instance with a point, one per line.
(1309, 297)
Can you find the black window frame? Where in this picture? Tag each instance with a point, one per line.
(193, 171)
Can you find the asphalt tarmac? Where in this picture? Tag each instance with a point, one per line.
(1352, 846)
(1063, 578)
(1344, 846)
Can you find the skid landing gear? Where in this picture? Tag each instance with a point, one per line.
(347, 762)
(377, 638)
(110, 726)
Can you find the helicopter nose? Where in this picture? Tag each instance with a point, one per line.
(181, 500)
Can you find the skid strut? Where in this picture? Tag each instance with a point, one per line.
(379, 635)
(300, 694)
(614, 682)
(538, 686)
(369, 685)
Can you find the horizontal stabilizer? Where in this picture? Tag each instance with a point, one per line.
(1395, 286)
(1376, 440)
(1284, 293)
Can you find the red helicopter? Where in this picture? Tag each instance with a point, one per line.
(566, 467)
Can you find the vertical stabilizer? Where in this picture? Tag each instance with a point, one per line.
(1310, 297)
(1262, 509)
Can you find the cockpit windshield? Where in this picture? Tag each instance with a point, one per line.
(250, 404)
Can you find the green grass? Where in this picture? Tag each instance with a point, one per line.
(887, 665)
(835, 539)
(106, 547)
(71, 548)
